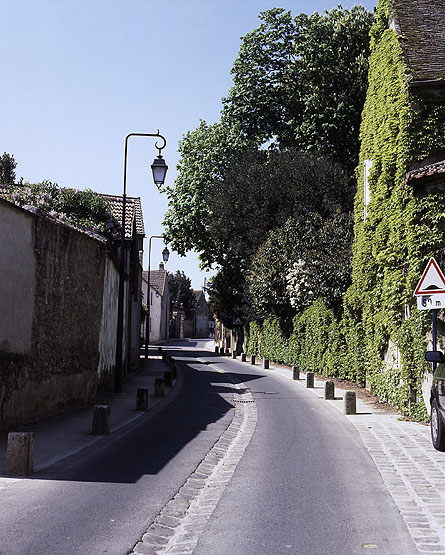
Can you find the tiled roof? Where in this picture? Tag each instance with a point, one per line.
(133, 211)
(421, 23)
(429, 173)
(158, 279)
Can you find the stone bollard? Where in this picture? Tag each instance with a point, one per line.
(168, 378)
(216, 349)
(159, 350)
(159, 387)
(142, 399)
(171, 362)
(227, 351)
(310, 379)
(174, 372)
(234, 354)
(243, 357)
(329, 390)
(252, 360)
(350, 403)
(296, 372)
(101, 420)
(221, 350)
(20, 454)
(266, 364)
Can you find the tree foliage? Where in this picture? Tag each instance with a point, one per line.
(302, 81)
(181, 292)
(7, 169)
(85, 208)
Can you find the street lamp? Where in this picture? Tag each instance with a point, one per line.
(165, 255)
(159, 169)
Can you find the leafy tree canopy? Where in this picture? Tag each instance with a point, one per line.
(7, 169)
(302, 81)
(181, 292)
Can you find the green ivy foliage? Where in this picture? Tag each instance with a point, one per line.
(379, 338)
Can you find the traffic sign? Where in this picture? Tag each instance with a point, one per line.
(430, 302)
(432, 282)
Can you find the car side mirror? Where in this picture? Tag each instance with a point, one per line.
(434, 356)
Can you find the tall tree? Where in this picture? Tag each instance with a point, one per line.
(7, 169)
(302, 82)
(181, 292)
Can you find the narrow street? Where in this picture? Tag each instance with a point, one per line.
(283, 473)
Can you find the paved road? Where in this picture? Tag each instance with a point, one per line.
(240, 462)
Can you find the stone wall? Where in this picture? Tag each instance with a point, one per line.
(68, 287)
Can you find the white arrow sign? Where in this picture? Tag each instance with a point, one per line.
(432, 281)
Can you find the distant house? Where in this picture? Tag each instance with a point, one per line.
(159, 300)
(134, 241)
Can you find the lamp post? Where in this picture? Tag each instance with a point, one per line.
(159, 169)
(165, 255)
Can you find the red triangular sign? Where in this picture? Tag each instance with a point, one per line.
(432, 281)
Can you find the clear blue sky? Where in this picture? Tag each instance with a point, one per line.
(79, 75)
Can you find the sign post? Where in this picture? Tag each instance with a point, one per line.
(430, 293)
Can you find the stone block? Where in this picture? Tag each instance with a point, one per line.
(101, 420)
(142, 399)
(310, 379)
(329, 390)
(350, 404)
(20, 453)
(266, 364)
(159, 387)
(295, 372)
(252, 360)
(243, 357)
(168, 378)
(234, 354)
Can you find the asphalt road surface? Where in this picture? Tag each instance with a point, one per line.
(304, 485)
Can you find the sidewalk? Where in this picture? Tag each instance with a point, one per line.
(62, 436)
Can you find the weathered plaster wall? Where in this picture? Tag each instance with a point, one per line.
(107, 337)
(69, 354)
(17, 278)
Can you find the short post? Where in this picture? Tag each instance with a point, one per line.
(168, 378)
(101, 420)
(329, 390)
(227, 351)
(20, 453)
(243, 357)
(310, 379)
(350, 406)
(252, 360)
(159, 387)
(296, 372)
(233, 354)
(174, 372)
(266, 364)
(216, 349)
(142, 399)
(221, 350)
(159, 350)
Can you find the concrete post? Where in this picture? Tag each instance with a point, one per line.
(168, 378)
(234, 354)
(350, 406)
(20, 454)
(221, 350)
(266, 364)
(159, 387)
(310, 379)
(216, 349)
(142, 399)
(329, 390)
(174, 372)
(243, 357)
(296, 372)
(252, 360)
(227, 351)
(159, 350)
(101, 420)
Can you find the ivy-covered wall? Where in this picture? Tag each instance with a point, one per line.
(379, 338)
